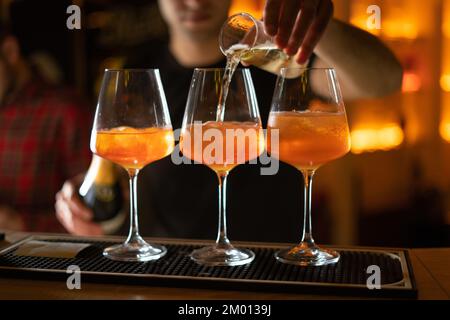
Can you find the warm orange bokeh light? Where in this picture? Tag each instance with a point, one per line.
(445, 82)
(446, 19)
(444, 129)
(385, 137)
(444, 126)
(253, 7)
(398, 29)
(411, 82)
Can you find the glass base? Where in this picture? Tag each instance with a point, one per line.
(137, 251)
(307, 255)
(217, 256)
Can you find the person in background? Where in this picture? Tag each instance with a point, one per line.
(181, 201)
(43, 140)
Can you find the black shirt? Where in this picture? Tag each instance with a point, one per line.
(182, 200)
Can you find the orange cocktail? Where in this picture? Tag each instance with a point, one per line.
(307, 140)
(222, 145)
(133, 148)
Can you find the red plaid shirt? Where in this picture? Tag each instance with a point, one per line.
(44, 136)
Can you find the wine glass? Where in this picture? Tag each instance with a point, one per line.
(132, 128)
(309, 116)
(222, 143)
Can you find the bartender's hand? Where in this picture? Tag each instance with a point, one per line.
(72, 213)
(297, 24)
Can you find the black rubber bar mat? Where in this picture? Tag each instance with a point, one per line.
(349, 276)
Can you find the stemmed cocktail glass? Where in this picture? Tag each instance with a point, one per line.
(132, 128)
(221, 138)
(309, 116)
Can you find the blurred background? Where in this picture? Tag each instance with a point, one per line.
(394, 187)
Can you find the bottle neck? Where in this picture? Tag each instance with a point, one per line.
(100, 172)
(105, 172)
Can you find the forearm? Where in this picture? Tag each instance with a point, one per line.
(365, 66)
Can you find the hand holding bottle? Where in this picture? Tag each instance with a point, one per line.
(72, 213)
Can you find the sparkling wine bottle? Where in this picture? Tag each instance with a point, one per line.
(102, 192)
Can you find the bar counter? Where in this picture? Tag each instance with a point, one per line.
(431, 269)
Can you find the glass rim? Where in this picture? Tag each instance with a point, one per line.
(130, 69)
(219, 69)
(306, 68)
(241, 14)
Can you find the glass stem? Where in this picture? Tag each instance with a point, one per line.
(307, 237)
(133, 235)
(222, 239)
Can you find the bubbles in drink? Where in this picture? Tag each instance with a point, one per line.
(309, 139)
(133, 148)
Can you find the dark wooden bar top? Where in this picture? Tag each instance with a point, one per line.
(431, 268)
